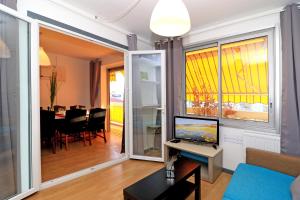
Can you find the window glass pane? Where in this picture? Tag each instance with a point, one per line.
(202, 82)
(245, 88)
(14, 107)
(146, 104)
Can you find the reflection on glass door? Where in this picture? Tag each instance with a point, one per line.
(14, 107)
(147, 104)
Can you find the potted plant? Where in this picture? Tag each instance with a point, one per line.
(53, 88)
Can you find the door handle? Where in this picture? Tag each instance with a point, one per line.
(159, 108)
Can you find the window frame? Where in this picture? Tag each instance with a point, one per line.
(238, 123)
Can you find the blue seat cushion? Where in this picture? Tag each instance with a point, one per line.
(251, 182)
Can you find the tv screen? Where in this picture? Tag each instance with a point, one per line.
(197, 129)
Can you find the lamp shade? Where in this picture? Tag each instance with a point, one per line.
(44, 59)
(170, 18)
(4, 51)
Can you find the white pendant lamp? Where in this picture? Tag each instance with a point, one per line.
(4, 50)
(44, 59)
(170, 18)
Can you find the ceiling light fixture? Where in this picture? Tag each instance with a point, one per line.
(4, 50)
(44, 59)
(170, 18)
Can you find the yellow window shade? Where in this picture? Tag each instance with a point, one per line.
(244, 78)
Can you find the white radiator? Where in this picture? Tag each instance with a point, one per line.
(235, 141)
(261, 141)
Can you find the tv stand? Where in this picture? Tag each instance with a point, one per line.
(211, 159)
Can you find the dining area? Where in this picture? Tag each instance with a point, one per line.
(75, 138)
(59, 126)
(76, 119)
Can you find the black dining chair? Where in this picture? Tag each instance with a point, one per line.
(81, 107)
(73, 107)
(48, 132)
(76, 126)
(96, 123)
(77, 107)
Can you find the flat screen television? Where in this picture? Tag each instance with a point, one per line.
(196, 129)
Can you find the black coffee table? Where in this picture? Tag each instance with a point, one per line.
(157, 186)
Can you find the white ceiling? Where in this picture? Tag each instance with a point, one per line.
(134, 15)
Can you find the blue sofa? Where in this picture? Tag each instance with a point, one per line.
(256, 181)
(253, 182)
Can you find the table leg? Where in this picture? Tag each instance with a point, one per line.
(60, 140)
(198, 184)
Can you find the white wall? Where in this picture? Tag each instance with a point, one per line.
(73, 89)
(77, 19)
(253, 23)
(235, 140)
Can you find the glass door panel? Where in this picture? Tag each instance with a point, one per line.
(147, 105)
(15, 176)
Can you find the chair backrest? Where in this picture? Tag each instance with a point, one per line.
(77, 107)
(98, 113)
(97, 118)
(75, 113)
(73, 107)
(76, 120)
(81, 107)
(47, 123)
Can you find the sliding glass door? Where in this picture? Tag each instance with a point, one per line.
(15, 107)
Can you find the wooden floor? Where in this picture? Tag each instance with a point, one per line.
(79, 157)
(109, 183)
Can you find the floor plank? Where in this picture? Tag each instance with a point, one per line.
(109, 183)
(79, 157)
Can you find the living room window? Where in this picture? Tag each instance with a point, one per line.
(201, 81)
(232, 79)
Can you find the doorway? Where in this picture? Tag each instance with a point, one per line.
(71, 59)
(116, 88)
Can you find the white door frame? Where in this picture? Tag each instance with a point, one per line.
(35, 164)
(36, 179)
(68, 177)
(163, 104)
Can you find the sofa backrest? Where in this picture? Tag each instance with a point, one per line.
(279, 162)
